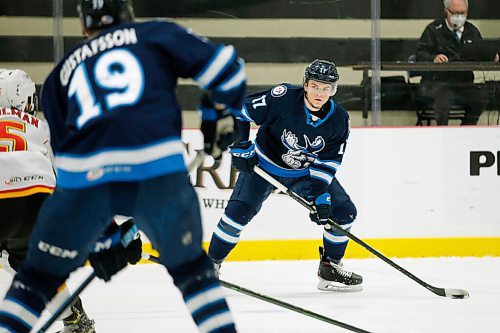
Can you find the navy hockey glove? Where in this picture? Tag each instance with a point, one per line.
(115, 249)
(244, 157)
(217, 126)
(322, 204)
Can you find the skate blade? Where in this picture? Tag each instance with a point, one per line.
(338, 287)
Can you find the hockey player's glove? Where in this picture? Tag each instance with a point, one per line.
(217, 126)
(244, 157)
(322, 204)
(110, 255)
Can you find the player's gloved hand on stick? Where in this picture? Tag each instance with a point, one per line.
(134, 249)
(322, 204)
(244, 157)
(217, 126)
(109, 255)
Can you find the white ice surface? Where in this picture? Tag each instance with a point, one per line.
(143, 299)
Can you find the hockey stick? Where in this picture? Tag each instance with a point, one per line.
(198, 159)
(445, 292)
(275, 301)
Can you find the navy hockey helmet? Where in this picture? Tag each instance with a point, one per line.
(98, 14)
(322, 71)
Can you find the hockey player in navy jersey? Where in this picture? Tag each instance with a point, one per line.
(301, 141)
(115, 127)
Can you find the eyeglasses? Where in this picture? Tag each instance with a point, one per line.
(320, 91)
(456, 13)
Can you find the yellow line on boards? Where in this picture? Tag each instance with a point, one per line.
(391, 247)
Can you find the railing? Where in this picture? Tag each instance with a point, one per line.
(417, 67)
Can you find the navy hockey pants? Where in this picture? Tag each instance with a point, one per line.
(251, 191)
(165, 208)
(70, 221)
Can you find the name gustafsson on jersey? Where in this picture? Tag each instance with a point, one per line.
(99, 44)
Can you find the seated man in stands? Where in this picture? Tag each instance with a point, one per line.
(451, 39)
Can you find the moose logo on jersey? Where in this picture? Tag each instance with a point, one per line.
(299, 157)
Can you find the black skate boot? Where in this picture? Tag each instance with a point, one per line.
(334, 277)
(77, 321)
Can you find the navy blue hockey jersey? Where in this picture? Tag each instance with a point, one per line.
(111, 102)
(290, 141)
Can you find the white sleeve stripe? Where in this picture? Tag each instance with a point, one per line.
(235, 80)
(222, 235)
(214, 322)
(215, 67)
(245, 113)
(232, 223)
(330, 164)
(334, 239)
(205, 297)
(315, 173)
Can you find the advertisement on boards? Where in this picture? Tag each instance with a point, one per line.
(405, 182)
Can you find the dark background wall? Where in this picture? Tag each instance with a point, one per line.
(390, 9)
(262, 50)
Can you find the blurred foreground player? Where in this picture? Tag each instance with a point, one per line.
(116, 133)
(301, 142)
(26, 180)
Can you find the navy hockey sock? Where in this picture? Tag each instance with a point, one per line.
(204, 297)
(26, 298)
(224, 239)
(219, 250)
(335, 244)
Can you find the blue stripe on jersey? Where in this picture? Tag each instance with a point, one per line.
(122, 172)
(319, 121)
(148, 151)
(269, 166)
(321, 175)
(329, 164)
(120, 164)
(220, 61)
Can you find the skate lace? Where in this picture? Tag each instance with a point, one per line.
(339, 268)
(82, 324)
(85, 326)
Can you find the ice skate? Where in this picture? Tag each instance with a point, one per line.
(78, 321)
(334, 277)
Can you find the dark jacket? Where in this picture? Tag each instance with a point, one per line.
(436, 39)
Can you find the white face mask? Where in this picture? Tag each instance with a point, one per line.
(458, 20)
